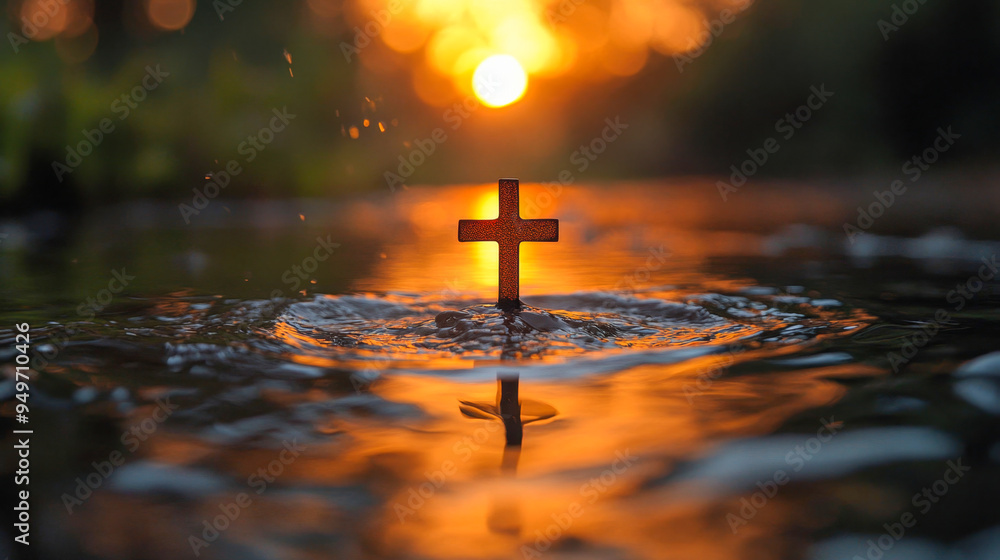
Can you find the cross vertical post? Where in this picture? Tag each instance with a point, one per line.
(509, 406)
(509, 230)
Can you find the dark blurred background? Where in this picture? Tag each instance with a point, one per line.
(697, 82)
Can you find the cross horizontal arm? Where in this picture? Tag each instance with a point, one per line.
(477, 230)
(509, 230)
(539, 230)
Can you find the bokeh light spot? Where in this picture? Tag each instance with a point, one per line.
(499, 80)
(48, 19)
(170, 15)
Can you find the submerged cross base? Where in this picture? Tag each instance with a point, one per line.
(509, 230)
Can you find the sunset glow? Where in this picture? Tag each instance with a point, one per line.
(547, 38)
(499, 80)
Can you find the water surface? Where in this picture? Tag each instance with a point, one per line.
(324, 376)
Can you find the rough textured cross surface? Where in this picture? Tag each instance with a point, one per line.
(509, 230)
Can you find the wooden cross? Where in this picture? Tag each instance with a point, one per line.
(509, 230)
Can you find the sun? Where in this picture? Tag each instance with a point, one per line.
(499, 80)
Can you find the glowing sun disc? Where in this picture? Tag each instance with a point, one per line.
(499, 80)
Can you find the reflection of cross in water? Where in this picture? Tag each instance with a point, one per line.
(509, 230)
(508, 406)
(504, 515)
(511, 410)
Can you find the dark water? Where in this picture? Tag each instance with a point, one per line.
(760, 391)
